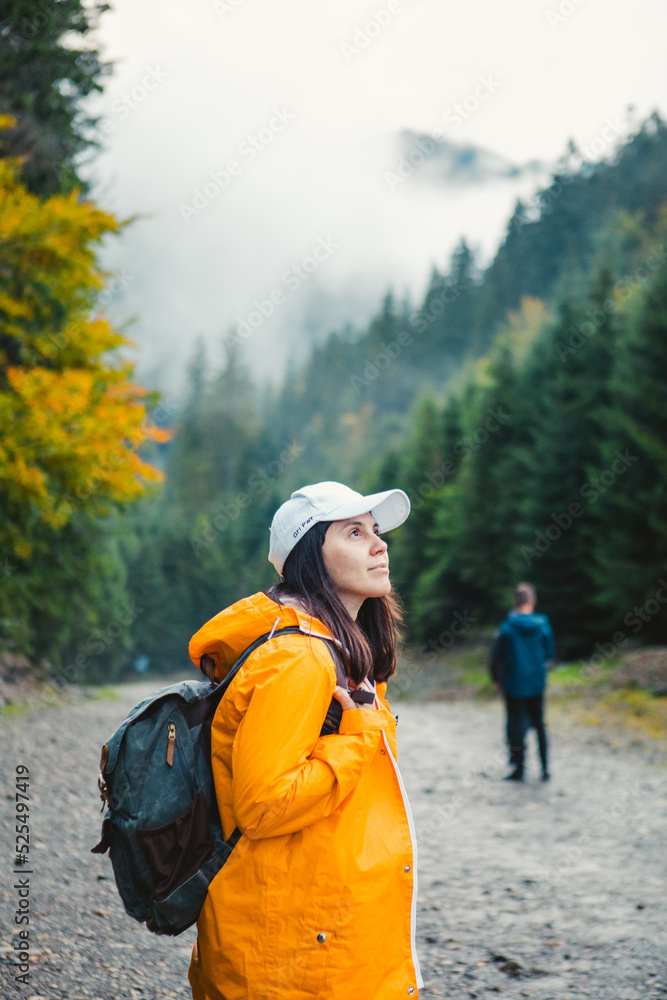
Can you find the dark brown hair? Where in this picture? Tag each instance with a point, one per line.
(370, 641)
(524, 594)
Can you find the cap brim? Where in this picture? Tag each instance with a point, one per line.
(389, 509)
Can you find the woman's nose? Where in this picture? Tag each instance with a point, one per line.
(380, 545)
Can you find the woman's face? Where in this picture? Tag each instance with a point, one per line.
(357, 561)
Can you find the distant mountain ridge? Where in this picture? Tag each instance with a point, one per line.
(550, 247)
(442, 160)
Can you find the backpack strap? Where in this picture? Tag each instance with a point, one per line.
(335, 711)
(234, 838)
(287, 630)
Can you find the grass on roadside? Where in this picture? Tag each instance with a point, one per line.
(635, 709)
(44, 697)
(104, 693)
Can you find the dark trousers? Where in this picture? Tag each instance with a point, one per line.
(522, 713)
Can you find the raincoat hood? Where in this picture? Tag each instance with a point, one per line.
(230, 632)
(520, 653)
(526, 625)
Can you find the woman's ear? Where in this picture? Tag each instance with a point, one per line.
(207, 667)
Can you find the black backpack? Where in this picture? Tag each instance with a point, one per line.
(163, 829)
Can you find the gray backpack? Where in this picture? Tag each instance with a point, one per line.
(163, 829)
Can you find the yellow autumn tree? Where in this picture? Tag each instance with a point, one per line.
(72, 419)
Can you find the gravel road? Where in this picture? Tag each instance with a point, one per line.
(548, 891)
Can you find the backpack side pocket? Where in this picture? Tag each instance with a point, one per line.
(175, 851)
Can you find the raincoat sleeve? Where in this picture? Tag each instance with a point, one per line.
(498, 656)
(549, 646)
(284, 775)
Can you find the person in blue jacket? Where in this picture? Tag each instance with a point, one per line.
(520, 655)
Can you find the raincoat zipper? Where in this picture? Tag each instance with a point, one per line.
(413, 839)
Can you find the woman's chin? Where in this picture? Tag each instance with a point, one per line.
(380, 587)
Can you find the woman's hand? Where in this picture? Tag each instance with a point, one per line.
(343, 696)
(346, 700)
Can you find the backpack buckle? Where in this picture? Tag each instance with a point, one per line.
(104, 790)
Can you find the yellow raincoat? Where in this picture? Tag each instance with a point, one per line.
(318, 897)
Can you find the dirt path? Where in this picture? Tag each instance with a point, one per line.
(537, 890)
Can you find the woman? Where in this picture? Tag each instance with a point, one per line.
(318, 897)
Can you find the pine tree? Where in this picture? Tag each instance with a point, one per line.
(425, 560)
(492, 481)
(46, 68)
(630, 538)
(570, 365)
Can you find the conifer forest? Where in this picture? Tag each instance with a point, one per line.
(521, 404)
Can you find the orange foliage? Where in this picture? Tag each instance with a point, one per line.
(73, 421)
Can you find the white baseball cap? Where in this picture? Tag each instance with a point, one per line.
(330, 502)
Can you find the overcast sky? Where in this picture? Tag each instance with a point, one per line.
(298, 109)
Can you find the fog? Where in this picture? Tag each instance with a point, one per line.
(289, 163)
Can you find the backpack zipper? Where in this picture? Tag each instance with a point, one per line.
(171, 742)
(173, 746)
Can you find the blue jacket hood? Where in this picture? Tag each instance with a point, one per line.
(526, 624)
(520, 653)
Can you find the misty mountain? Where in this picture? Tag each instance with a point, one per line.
(553, 244)
(441, 161)
(213, 274)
